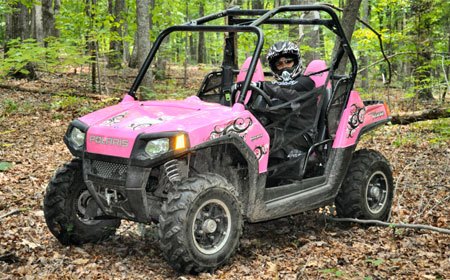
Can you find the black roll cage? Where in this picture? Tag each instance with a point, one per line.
(235, 25)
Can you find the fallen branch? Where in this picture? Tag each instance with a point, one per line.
(51, 91)
(13, 212)
(393, 225)
(430, 114)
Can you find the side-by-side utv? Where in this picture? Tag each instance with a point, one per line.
(202, 166)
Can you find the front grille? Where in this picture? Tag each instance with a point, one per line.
(109, 170)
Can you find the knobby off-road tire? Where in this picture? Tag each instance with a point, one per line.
(368, 188)
(200, 224)
(65, 202)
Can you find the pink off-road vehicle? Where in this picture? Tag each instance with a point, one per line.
(202, 166)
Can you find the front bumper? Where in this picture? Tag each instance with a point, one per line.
(118, 188)
(120, 185)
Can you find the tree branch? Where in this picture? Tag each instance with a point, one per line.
(393, 225)
(430, 114)
(397, 54)
(10, 213)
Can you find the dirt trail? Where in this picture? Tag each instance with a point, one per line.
(299, 247)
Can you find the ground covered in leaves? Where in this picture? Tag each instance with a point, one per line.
(299, 247)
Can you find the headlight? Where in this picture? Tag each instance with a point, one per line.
(77, 137)
(157, 147)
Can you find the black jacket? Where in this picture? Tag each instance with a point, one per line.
(292, 127)
(287, 91)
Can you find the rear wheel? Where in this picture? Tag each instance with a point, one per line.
(66, 205)
(200, 224)
(368, 188)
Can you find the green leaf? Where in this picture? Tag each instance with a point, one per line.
(5, 165)
(376, 262)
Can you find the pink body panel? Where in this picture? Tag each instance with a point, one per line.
(113, 130)
(354, 118)
(316, 66)
(258, 75)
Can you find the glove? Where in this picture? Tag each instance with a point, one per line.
(257, 84)
(236, 87)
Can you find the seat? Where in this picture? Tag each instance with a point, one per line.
(316, 71)
(258, 75)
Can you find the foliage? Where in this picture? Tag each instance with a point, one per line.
(8, 106)
(409, 28)
(57, 56)
(5, 165)
(65, 101)
(333, 272)
(434, 133)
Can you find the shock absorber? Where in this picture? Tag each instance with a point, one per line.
(172, 171)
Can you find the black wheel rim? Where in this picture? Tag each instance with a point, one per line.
(377, 192)
(211, 226)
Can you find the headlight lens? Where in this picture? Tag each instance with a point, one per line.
(77, 137)
(157, 147)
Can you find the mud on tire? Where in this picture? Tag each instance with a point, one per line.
(65, 202)
(200, 224)
(368, 188)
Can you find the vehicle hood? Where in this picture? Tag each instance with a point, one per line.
(153, 116)
(119, 125)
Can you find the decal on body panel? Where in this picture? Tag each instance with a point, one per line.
(114, 120)
(241, 126)
(143, 122)
(238, 126)
(356, 118)
(260, 151)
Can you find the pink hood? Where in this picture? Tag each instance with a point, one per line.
(113, 130)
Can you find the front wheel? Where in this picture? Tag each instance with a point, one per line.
(200, 224)
(368, 188)
(66, 205)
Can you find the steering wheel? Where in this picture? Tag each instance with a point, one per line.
(254, 89)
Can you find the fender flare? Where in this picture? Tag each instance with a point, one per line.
(372, 126)
(239, 144)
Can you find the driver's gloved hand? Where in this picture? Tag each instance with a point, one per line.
(257, 84)
(236, 86)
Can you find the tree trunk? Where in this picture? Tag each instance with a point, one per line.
(15, 23)
(25, 21)
(50, 9)
(133, 63)
(364, 61)
(257, 4)
(126, 55)
(310, 36)
(447, 71)
(18, 27)
(38, 30)
(201, 54)
(91, 46)
(186, 46)
(294, 29)
(143, 37)
(422, 73)
(351, 11)
(348, 20)
(116, 8)
(429, 114)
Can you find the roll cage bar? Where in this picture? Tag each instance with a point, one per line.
(235, 24)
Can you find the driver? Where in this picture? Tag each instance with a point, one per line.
(290, 136)
(284, 61)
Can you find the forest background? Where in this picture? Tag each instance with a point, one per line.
(64, 58)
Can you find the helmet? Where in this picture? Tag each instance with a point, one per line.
(284, 49)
